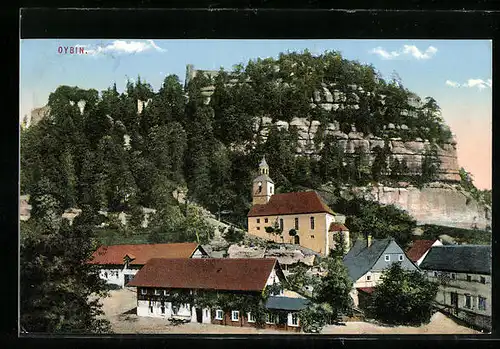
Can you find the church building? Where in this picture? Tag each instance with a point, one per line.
(303, 218)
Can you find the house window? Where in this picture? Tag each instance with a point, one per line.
(481, 303)
(281, 224)
(219, 314)
(235, 315)
(271, 318)
(368, 277)
(206, 312)
(157, 292)
(387, 258)
(400, 257)
(469, 278)
(144, 291)
(467, 301)
(482, 279)
(251, 317)
(258, 228)
(312, 223)
(453, 276)
(296, 224)
(258, 220)
(312, 236)
(295, 319)
(266, 220)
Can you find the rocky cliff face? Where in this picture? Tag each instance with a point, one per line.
(436, 203)
(412, 151)
(441, 203)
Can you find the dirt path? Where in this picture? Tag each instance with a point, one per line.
(120, 310)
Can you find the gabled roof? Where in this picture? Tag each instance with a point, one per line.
(459, 258)
(249, 274)
(337, 227)
(360, 258)
(287, 303)
(419, 248)
(114, 254)
(291, 203)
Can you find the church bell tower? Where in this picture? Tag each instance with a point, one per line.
(263, 185)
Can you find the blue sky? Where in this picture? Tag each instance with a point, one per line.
(457, 73)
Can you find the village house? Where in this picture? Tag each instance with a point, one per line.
(419, 249)
(119, 263)
(302, 217)
(160, 279)
(366, 261)
(464, 276)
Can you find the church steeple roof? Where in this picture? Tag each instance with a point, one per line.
(263, 163)
(263, 172)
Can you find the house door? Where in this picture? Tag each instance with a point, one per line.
(296, 240)
(199, 315)
(454, 300)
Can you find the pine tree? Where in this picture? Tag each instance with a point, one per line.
(59, 291)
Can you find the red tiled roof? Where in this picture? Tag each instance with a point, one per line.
(337, 227)
(250, 274)
(368, 290)
(418, 249)
(141, 253)
(291, 203)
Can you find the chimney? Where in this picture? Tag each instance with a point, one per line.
(369, 240)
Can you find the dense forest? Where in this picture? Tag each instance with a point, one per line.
(109, 156)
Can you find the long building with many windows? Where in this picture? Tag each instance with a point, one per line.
(172, 289)
(464, 276)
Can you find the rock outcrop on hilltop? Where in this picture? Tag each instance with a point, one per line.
(436, 203)
(410, 151)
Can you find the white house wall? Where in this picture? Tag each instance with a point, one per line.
(117, 275)
(273, 278)
(184, 310)
(197, 254)
(328, 236)
(461, 286)
(364, 282)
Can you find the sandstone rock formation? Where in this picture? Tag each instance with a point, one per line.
(436, 203)
(412, 152)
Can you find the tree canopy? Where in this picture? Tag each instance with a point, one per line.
(403, 297)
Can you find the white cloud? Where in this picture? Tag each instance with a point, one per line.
(472, 83)
(125, 47)
(384, 54)
(407, 50)
(452, 83)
